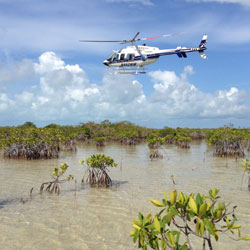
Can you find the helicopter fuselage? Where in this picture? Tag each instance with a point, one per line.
(137, 56)
(141, 55)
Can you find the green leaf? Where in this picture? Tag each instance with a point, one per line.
(181, 197)
(136, 235)
(165, 195)
(174, 211)
(157, 224)
(198, 199)
(148, 219)
(209, 226)
(214, 192)
(157, 203)
(132, 233)
(171, 238)
(163, 244)
(202, 227)
(192, 205)
(136, 226)
(236, 226)
(203, 209)
(140, 216)
(173, 195)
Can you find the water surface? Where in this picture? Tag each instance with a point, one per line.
(101, 218)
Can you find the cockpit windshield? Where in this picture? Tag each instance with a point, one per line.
(114, 56)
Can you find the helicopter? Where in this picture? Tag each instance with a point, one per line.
(133, 58)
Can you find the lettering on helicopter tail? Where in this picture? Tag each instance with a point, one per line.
(179, 54)
(128, 64)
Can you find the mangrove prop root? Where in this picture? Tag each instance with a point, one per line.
(52, 186)
(154, 154)
(97, 176)
(226, 148)
(31, 152)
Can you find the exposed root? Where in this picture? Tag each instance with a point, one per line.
(30, 152)
(97, 176)
(52, 186)
(155, 154)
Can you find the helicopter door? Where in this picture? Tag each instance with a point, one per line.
(130, 57)
(122, 56)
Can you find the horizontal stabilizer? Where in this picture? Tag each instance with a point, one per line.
(203, 56)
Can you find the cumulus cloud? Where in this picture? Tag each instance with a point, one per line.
(64, 94)
(180, 98)
(242, 2)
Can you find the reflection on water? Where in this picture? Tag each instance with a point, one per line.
(100, 218)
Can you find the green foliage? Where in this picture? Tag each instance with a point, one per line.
(28, 125)
(99, 161)
(204, 216)
(154, 141)
(96, 172)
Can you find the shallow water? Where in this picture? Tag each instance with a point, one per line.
(101, 218)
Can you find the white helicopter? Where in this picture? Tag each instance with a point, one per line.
(133, 58)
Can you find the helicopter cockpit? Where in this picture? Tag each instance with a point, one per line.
(120, 56)
(113, 57)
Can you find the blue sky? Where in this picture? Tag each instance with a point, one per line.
(47, 76)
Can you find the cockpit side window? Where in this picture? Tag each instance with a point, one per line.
(122, 56)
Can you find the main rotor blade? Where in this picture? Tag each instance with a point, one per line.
(155, 37)
(100, 41)
(135, 36)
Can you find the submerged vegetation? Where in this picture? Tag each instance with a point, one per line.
(30, 142)
(182, 216)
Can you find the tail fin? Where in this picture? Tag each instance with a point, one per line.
(203, 41)
(202, 46)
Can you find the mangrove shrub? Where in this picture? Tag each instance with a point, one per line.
(97, 167)
(55, 184)
(181, 216)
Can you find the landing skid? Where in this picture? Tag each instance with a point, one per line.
(130, 70)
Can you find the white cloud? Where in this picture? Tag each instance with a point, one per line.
(143, 2)
(23, 71)
(180, 98)
(5, 103)
(64, 94)
(242, 2)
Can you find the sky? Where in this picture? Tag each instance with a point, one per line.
(48, 76)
